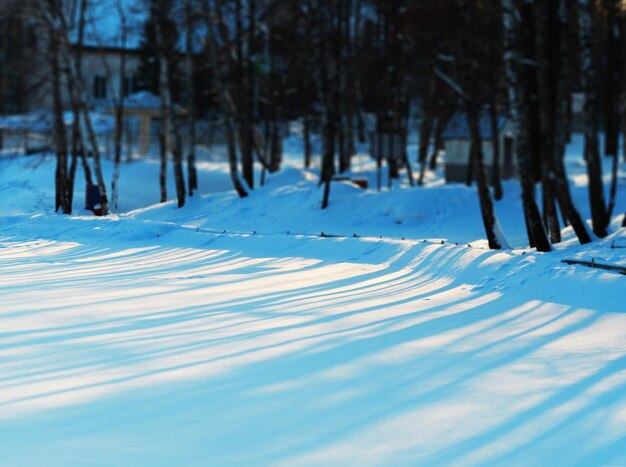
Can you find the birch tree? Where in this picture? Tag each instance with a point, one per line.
(53, 14)
(119, 107)
(170, 133)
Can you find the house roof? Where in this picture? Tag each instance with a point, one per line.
(139, 101)
(38, 120)
(458, 128)
(142, 100)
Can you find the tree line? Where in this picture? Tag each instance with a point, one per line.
(336, 65)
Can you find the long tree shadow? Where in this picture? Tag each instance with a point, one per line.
(350, 351)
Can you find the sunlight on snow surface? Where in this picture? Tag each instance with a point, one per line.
(134, 341)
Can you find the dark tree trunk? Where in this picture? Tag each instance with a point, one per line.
(495, 143)
(56, 22)
(243, 93)
(439, 144)
(79, 99)
(327, 160)
(307, 141)
(613, 95)
(192, 172)
(327, 70)
(530, 81)
(613, 78)
(341, 90)
(470, 92)
(599, 216)
(232, 161)
(547, 43)
(624, 132)
(566, 205)
(560, 62)
(60, 136)
(85, 164)
(471, 160)
(77, 145)
(276, 146)
(169, 128)
(426, 128)
(347, 89)
(72, 177)
(227, 105)
(119, 116)
(162, 162)
(517, 105)
(179, 176)
(486, 204)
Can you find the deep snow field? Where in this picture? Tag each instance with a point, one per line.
(230, 332)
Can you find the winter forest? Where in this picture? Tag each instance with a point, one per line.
(313, 232)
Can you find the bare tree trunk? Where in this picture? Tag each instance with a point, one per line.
(403, 124)
(273, 125)
(77, 146)
(232, 160)
(119, 112)
(439, 145)
(226, 103)
(495, 142)
(104, 203)
(162, 159)
(511, 21)
(307, 141)
(327, 160)
(276, 147)
(326, 82)
(613, 78)
(171, 135)
(613, 96)
(163, 123)
(486, 204)
(562, 96)
(60, 137)
(599, 216)
(72, 177)
(85, 164)
(624, 129)
(547, 42)
(469, 176)
(343, 93)
(242, 93)
(192, 172)
(426, 128)
(55, 19)
(358, 85)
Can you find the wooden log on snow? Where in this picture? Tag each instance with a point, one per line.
(593, 264)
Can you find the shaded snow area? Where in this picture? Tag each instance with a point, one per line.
(230, 332)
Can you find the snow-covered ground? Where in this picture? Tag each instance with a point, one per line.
(231, 332)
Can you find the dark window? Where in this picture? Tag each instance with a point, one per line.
(136, 83)
(99, 87)
(129, 86)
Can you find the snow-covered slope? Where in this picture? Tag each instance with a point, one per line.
(230, 332)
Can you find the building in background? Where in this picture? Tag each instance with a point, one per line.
(458, 144)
